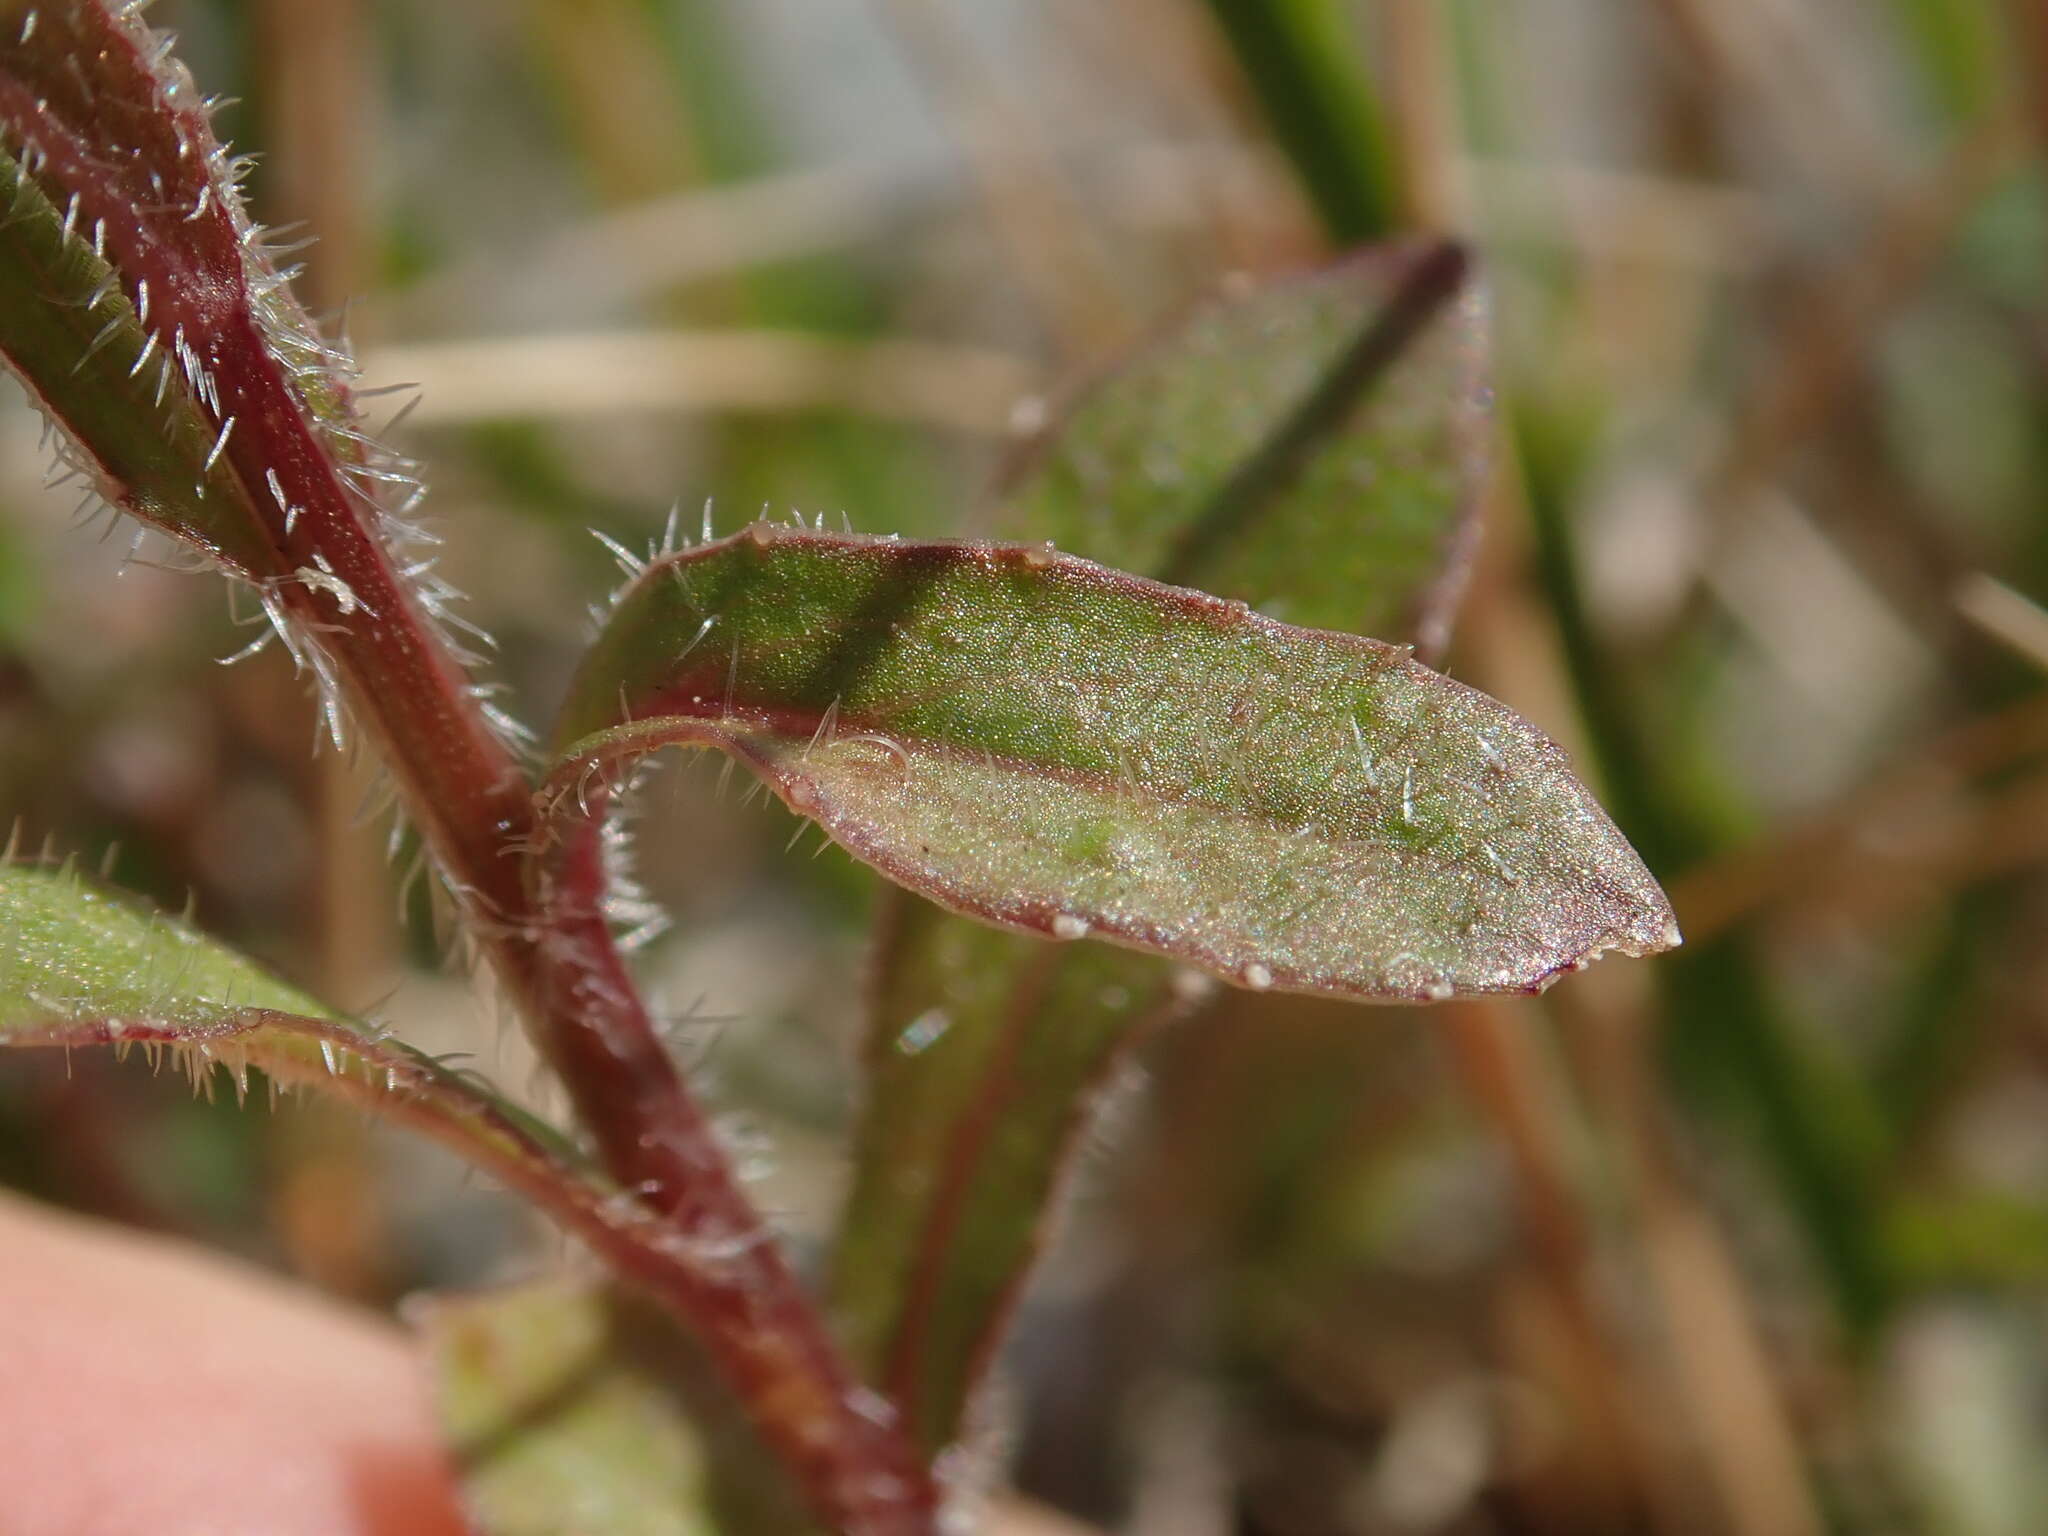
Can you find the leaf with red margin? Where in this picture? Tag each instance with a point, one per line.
(1055, 747)
(122, 196)
(80, 967)
(79, 346)
(1000, 1052)
(140, 307)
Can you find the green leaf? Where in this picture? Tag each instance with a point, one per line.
(997, 1052)
(1316, 446)
(77, 344)
(560, 1403)
(79, 967)
(1320, 438)
(77, 962)
(1054, 747)
(141, 308)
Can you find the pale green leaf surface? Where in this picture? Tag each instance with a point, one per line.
(560, 1415)
(69, 951)
(80, 966)
(1055, 747)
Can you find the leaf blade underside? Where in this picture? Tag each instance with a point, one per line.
(77, 344)
(1055, 747)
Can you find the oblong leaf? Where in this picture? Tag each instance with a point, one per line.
(81, 967)
(992, 1072)
(1053, 746)
(79, 347)
(1316, 445)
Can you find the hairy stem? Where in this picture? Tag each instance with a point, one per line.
(116, 138)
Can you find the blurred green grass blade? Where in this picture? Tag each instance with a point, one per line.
(1316, 447)
(1052, 746)
(1302, 66)
(1959, 49)
(1726, 1039)
(984, 1073)
(560, 1415)
(1943, 1011)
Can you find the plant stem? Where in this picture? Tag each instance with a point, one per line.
(323, 563)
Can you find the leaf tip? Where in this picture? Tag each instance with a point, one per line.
(1652, 931)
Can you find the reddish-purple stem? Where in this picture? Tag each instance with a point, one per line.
(111, 130)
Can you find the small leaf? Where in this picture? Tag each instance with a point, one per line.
(78, 345)
(1055, 747)
(79, 967)
(1316, 446)
(560, 1415)
(141, 308)
(990, 1074)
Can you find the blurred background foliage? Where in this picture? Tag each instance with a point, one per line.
(1752, 1239)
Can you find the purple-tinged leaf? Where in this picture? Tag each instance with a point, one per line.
(1052, 746)
(78, 346)
(1055, 747)
(196, 395)
(123, 208)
